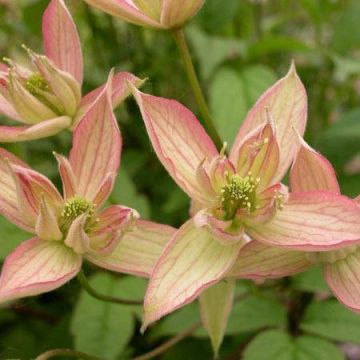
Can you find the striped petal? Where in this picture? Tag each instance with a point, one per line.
(312, 221)
(258, 261)
(179, 140)
(61, 39)
(286, 101)
(191, 262)
(67, 176)
(311, 171)
(35, 267)
(137, 251)
(96, 145)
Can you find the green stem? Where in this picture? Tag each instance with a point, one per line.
(194, 82)
(66, 352)
(91, 291)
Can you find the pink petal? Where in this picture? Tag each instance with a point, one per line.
(61, 39)
(138, 250)
(357, 199)
(286, 102)
(343, 278)
(38, 131)
(215, 305)
(35, 267)
(7, 109)
(96, 145)
(67, 176)
(258, 261)
(179, 140)
(120, 91)
(126, 10)
(114, 217)
(175, 13)
(8, 193)
(312, 221)
(191, 262)
(311, 171)
(76, 238)
(104, 190)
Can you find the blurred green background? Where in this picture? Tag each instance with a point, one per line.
(240, 48)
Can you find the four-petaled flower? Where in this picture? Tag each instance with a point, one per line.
(239, 198)
(158, 14)
(74, 226)
(47, 98)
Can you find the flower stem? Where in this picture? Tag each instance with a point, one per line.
(91, 291)
(169, 344)
(66, 352)
(194, 82)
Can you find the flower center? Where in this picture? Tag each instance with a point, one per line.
(36, 83)
(239, 193)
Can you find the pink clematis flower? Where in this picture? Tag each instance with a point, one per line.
(236, 198)
(47, 98)
(311, 172)
(158, 14)
(74, 226)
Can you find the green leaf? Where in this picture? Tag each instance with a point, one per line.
(311, 280)
(277, 345)
(333, 321)
(102, 328)
(233, 93)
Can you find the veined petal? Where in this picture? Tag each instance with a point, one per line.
(76, 238)
(67, 176)
(104, 190)
(61, 39)
(311, 171)
(175, 13)
(312, 221)
(259, 261)
(41, 130)
(120, 91)
(343, 278)
(96, 145)
(125, 10)
(7, 109)
(137, 251)
(179, 140)
(286, 102)
(35, 267)
(191, 262)
(215, 305)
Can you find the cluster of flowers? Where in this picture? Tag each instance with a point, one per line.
(245, 224)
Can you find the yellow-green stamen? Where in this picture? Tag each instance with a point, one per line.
(36, 83)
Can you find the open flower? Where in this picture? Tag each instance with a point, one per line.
(47, 98)
(158, 14)
(236, 198)
(311, 172)
(74, 226)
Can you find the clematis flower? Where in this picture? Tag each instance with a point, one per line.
(46, 98)
(311, 172)
(238, 198)
(158, 14)
(70, 228)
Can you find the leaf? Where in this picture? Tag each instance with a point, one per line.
(278, 345)
(101, 328)
(311, 280)
(233, 93)
(333, 321)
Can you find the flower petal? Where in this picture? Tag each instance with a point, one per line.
(191, 262)
(215, 305)
(35, 267)
(125, 10)
(96, 145)
(175, 13)
(312, 221)
(343, 278)
(258, 261)
(311, 171)
(67, 176)
(104, 190)
(138, 250)
(179, 140)
(61, 39)
(76, 238)
(286, 102)
(7, 109)
(38, 131)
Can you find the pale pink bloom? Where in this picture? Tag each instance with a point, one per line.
(74, 226)
(311, 172)
(46, 98)
(158, 14)
(237, 198)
